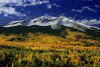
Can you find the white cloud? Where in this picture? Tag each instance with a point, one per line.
(22, 2)
(56, 5)
(12, 11)
(75, 10)
(49, 6)
(8, 10)
(97, 6)
(88, 8)
(90, 22)
(83, 9)
(5, 15)
(87, 0)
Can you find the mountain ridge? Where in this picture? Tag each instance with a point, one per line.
(51, 24)
(46, 29)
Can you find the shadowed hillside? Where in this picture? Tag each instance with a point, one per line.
(45, 29)
(34, 29)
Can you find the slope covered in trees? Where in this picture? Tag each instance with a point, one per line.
(44, 47)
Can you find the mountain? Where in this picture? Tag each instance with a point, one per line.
(14, 23)
(50, 30)
(49, 23)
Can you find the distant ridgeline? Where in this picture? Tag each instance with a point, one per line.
(34, 29)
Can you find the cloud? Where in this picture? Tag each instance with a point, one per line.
(5, 15)
(89, 22)
(75, 10)
(83, 9)
(97, 6)
(23, 3)
(56, 5)
(88, 8)
(8, 10)
(87, 0)
(49, 6)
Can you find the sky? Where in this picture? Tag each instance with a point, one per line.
(85, 11)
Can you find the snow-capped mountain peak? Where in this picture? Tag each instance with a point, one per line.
(57, 21)
(54, 22)
(14, 23)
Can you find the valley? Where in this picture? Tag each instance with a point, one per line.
(43, 46)
(48, 41)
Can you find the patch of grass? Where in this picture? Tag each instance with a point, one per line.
(19, 57)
